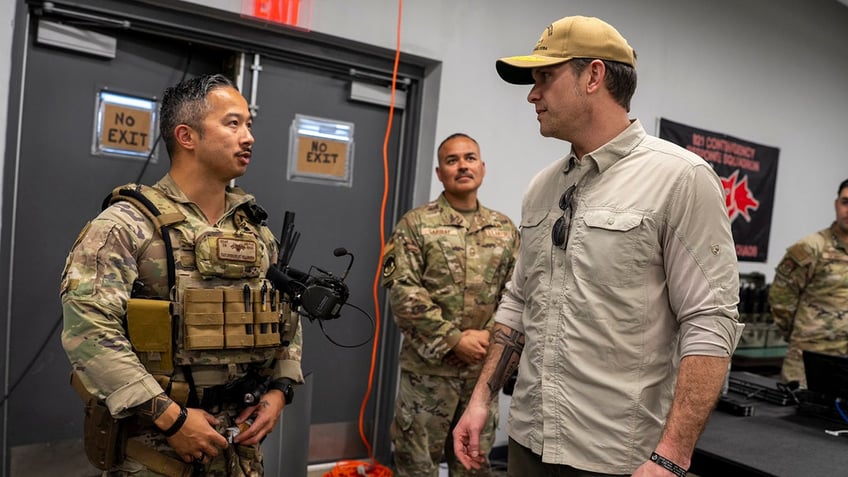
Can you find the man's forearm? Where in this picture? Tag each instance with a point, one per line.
(512, 343)
(153, 408)
(501, 360)
(699, 384)
(158, 411)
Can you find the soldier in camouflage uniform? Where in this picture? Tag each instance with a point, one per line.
(445, 265)
(809, 295)
(172, 395)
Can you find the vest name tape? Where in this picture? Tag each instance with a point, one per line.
(236, 250)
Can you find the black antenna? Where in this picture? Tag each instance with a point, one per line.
(288, 240)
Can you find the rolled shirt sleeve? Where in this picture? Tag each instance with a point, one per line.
(511, 306)
(701, 267)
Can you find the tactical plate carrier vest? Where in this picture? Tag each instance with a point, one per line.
(221, 309)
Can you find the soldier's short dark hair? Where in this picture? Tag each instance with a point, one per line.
(843, 185)
(185, 103)
(454, 136)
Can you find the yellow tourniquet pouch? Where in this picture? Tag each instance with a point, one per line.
(149, 328)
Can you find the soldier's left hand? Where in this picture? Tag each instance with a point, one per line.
(264, 414)
(472, 346)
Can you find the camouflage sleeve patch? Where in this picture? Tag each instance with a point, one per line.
(798, 264)
(801, 253)
(389, 264)
(787, 266)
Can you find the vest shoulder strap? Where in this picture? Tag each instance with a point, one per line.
(149, 201)
(160, 209)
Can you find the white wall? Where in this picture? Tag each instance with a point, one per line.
(768, 71)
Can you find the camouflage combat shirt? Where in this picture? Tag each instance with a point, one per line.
(114, 250)
(445, 275)
(809, 299)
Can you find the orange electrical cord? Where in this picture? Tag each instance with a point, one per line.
(373, 468)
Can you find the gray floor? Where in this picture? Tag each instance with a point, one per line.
(67, 459)
(63, 458)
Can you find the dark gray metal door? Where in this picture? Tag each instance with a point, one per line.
(328, 217)
(60, 186)
(57, 184)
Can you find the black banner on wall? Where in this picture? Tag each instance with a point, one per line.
(748, 173)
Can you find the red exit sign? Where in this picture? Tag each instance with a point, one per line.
(286, 12)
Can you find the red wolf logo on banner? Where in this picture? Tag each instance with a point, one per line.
(738, 197)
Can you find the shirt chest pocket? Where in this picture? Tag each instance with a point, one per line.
(536, 237)
(613, 247)
(444, 257)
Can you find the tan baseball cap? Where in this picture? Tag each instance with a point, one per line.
(566, 39)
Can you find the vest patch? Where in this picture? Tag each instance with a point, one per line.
(237, 250)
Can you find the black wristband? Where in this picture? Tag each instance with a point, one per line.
(668, 465)
(285, 386)
(178, 424)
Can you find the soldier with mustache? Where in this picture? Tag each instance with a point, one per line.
(445, 267)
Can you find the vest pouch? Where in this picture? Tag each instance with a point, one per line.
(150, 331)
(238, 317)
(266, 319)
(105, 438)
(230, 255)
(203, 318)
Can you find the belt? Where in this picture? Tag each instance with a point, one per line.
(157, 461)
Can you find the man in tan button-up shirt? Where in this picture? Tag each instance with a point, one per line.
(621, 314)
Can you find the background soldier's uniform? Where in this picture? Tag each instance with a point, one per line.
(809, 299)
(445, 274)
(119, 255)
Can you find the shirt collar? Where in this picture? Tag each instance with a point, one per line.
(835, 236)
(450, 216)
(614, 150)
(171, 189)
(234, 196)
